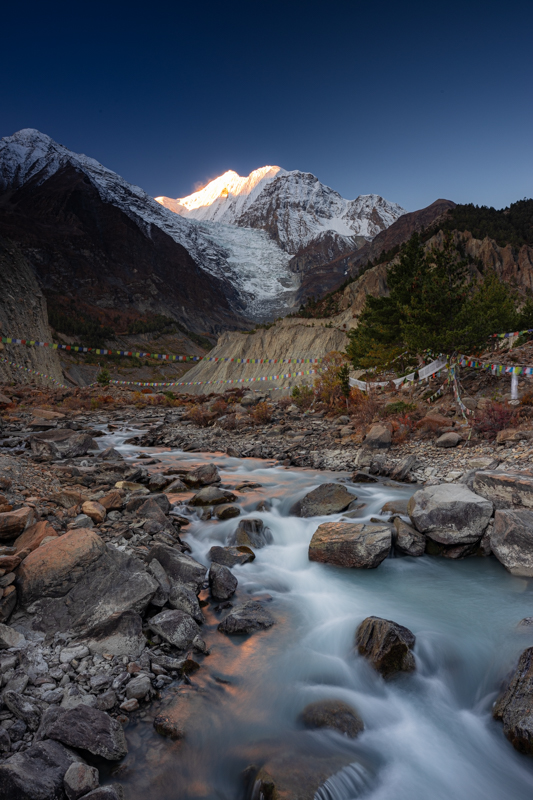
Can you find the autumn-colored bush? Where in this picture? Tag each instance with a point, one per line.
(261, 413)
(75, 404)
(398, 407)
(219, 406)
(146, 390)
(527, 399)
(285, 402)
(402, 427)
(328, 387)
(363, 406)
(200, 416)
(303, 396)
(493, 418)
(105, 398)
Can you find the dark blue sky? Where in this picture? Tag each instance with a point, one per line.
(413, 101)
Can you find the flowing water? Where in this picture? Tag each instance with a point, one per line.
(428, 735)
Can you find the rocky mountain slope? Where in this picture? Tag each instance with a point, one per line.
(23, 311)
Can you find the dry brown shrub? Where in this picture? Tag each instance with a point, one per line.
(363, 407)
(219, 406)
(146, 390)
(327, 384)
(285, 402)
(261, 413)
(200, 416)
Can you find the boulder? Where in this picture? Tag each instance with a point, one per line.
(121, 635)
(61, 443)
(363, 477)
(292, 775)
(402, 470)
(112, 501)
(178, 628)
(179, 566)
(511, 541)
(183, 598)
(7, 604)
(23, 707)
(94, 511)
(247, 618)
(408, 540)
(334, 714)
(329, 498)
(450, 439)
(231, 556)
(33, 536)
(139, 688)
(505, 489)
(85, 728)
(511, 435)
(155, 569)
(514, 706)
(109, 792)
(378, 438)
(37, 773)
(346, 544)
(67, 498)
(386, 645)
(111, 584)
(145, 506)
(227, 512)
(55, 568)
(222, 582)
(12, 523)
(80, 779)
(251, 533)
(450, 513)
(204, 475)
(212, 496)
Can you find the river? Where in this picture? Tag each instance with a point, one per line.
(428, 735)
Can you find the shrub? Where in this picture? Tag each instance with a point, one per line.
(146, 390)
(103, 377)
(261, 413)
(200, 416)
(285, 402)
(219, 406)
(328, 386)
(494, 418)
(527, 399)
(398, 407)
(303, 396)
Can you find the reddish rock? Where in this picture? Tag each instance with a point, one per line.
(9, 563)
(350, 544)
(68, 498)
(94, 511)
(112, 501)
(12, 523)
(33, 536)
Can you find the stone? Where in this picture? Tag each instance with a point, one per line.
(147, 506)
(251, 533)
(9, 637)
(231, 556)
(36, 773)
(514, 706)
(129, 705)
(222, 582)
(86, 728)
(378, 438)
(139, 688)
(179, 566)
(247, 618)
(80, 521)
(76, 651)
(505, 489)
(511, 435)
(450, 513)
(356, 545)
(212, 496)
(290, 775)
(44, 413)
(402, 470)
(176, 486)
(183, 598)
(398, 506)
(177, 628)
(7, 604)
(5, 741)
(363, 477)
(33, 536)
(204, 475)
(80, 779)
(55, 568)
(110, 454)
(61, 443)
(12, 523)
(334, 714)
(120, 635)
(23, 707)
(106, 701)
(161, 596)
(94, 511)
(158, 482)
(112, 501)
(386, 645)
(511, 541)
(130, 486)
(329, 498)
(450, 439)
(67, 498)
(227, 512)
(408, 541)
(9, 562)
(93, 592)
(110, 792)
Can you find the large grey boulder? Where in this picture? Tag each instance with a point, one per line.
(212, 496)
(378, 438)
(251, 533)
(346, 544)
(247, 618)
(85, 728)
(120, 634)
(179, 566)
(23, 707)
(449, 439)
(222, 582)
(80, 583)
(329, 498)
(37, 773)
(61, 443)
(386, 645)
(505, 489)
(205, 475)
(80, 779)
(514, 707)
(511, 541)
(179, 629)
(450, 513)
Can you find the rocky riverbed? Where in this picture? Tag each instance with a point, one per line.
(131, 566)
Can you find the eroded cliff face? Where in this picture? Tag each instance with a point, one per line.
(289, 338)
(23, 314)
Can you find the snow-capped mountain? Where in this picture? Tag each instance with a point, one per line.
(294, 208)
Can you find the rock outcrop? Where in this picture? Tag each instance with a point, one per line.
(363, 546)
(514, 707)
(450, 514)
